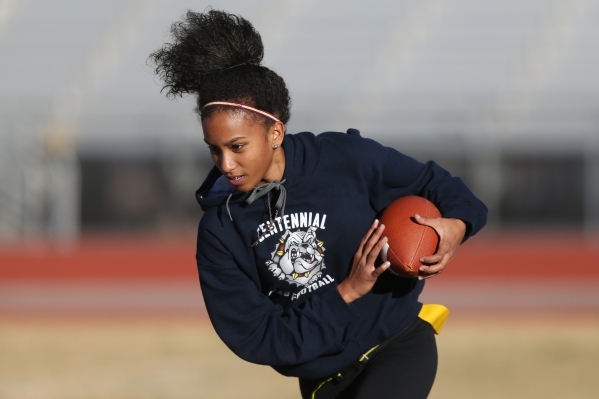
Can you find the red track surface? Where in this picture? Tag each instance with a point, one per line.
(544, 256)
(125, 258)
(103, 259)
(158, 276)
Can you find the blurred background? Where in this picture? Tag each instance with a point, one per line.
(99, 294)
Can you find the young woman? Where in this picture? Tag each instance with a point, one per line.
(288, 244)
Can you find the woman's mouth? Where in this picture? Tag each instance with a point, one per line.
(236, 180)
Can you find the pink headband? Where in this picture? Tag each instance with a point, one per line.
(243, 107)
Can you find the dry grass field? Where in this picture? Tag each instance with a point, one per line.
(545, 356)
(480, 357)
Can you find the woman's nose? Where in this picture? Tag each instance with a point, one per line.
(227, 163)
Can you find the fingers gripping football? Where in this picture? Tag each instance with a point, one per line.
(451, 233)
(364, 273)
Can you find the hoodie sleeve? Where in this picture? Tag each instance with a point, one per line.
(391, 175)
(255, 328)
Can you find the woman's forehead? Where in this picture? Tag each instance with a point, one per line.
(225, 125)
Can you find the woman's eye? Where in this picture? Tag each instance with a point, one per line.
(237, 147)
(212, 149)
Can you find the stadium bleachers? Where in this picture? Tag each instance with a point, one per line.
(471, 83)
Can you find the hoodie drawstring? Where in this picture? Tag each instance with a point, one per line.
(264, 189)
(227, 205)
(261, 191)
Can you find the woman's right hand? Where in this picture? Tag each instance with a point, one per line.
(364, 273)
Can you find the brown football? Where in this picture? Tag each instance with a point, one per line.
(408, 241)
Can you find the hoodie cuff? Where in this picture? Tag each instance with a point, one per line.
(469, 216)
(335, 310)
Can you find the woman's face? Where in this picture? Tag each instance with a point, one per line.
(243, 149)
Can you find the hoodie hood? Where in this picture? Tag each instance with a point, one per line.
(206, 202)
(302, 154)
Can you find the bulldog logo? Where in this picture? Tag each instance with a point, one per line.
(298, 257)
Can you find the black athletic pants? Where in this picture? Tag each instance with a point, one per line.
(403, 368)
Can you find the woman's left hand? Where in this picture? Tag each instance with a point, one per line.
(451, 233)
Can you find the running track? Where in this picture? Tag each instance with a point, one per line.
(155, 275)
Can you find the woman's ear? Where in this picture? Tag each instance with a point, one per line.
(277, 131)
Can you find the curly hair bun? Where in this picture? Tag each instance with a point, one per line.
(205, 43)
(216, 56)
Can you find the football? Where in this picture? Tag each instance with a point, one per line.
(408, 241)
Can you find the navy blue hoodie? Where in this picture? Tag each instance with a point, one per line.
(277, 303)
